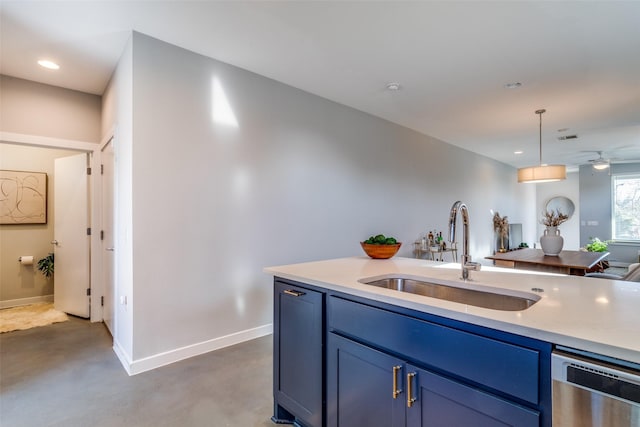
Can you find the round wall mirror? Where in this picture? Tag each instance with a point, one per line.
(562, 204)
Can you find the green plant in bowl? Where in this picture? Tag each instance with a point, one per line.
(381, 239)
(380, 246)
(597, 245)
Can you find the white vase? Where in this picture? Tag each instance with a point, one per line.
(551, 241)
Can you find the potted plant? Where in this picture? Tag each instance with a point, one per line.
(596, 245)
(551, 241)
(501, 226)
(45, 265)
(553, 218)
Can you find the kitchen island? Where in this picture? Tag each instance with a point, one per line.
(497, 360)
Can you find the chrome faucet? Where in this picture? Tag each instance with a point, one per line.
(465, 259)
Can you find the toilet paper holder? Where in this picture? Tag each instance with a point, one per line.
(26, 259)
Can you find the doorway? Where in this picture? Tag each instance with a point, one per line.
(20, 285)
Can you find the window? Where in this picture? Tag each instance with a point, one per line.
(626, 207)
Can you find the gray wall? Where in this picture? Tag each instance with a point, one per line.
(32, 108)
(595, 208)
(300, 178)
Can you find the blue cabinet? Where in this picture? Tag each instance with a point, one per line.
(494, 363)
(441, 402)
(445, 373)
(367, 387)
(347, 361)
(298, 354)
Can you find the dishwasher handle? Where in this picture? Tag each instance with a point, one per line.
(596, 376)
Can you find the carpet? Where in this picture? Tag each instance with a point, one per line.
(30, 316)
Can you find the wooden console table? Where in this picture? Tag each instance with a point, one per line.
(568, 262)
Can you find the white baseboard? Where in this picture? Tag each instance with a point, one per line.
(152, 362)
(123, 356)
(25, 301)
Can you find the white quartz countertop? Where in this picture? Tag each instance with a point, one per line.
(596, 315)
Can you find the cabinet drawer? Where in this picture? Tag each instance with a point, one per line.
(496, 364)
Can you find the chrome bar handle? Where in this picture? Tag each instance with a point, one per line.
(410, 398)
(475, 266)
(293, 293)
(396, 391)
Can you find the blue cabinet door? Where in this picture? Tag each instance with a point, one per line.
(297, 357)
(442, 402)
(502, 366)
(360, 386)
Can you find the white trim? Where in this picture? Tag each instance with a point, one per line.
(95, 276)
(25, 301)
(168, 357)
(107, 137)
(98, 287)
(123, 356)
(614, 183)
(624, 242)
(44, 141)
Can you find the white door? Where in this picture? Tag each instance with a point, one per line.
(71, 240)
(107, 235)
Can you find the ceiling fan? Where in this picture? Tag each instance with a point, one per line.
(600, 163)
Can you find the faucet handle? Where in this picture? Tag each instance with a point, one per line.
(475, 266)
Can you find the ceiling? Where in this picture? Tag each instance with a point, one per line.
(578, 60)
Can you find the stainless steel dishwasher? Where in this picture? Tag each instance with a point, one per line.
(592, 391)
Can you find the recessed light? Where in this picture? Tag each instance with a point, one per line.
(518, 152)
(513, 85)
(393, 86)
(48, 64)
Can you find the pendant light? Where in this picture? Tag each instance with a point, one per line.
(542, 173)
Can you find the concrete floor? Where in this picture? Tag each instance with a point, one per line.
(66, 374)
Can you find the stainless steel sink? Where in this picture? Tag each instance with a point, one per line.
(477, 297)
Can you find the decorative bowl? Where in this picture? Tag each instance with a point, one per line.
(380, 251)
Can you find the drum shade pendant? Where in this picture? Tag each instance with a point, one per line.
(542, 173)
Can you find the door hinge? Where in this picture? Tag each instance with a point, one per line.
(88, 292)
(101, 169)
(89, 231)
(101, 234)
(102, 301)
(88, 171)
